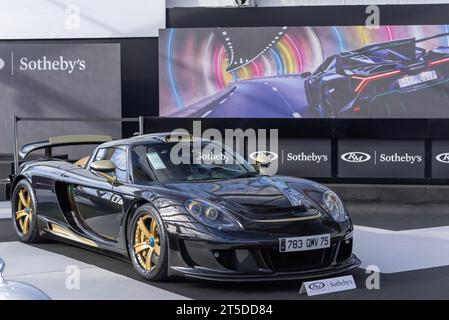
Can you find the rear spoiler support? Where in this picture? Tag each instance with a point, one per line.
(48, 146)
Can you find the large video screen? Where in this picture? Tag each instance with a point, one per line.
(305, 72)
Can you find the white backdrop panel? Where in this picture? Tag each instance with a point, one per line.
(47, 19)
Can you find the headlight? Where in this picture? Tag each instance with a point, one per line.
(334, 206)
(212, 215)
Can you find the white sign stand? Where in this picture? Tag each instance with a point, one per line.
(323, 286)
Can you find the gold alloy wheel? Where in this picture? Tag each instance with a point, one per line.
(24, 213)
(147, 248)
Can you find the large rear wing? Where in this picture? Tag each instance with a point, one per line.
(366, 50)
(389, 44)
(60, 141)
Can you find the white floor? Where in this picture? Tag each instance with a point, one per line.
(51, 273)
(397, 251)
(5, 209)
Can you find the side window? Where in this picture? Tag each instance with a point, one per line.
(140, 168)
(100, 154)
(118, 156)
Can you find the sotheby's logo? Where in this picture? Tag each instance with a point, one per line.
(52, 64)
(355, 157)
(2, 63)
(213, 157)
(307, 157)
(443, 157)
(401, 158)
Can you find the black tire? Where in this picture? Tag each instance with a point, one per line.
(31, 234)
(160, 271)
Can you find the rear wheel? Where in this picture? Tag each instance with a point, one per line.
(24, 212)
(147, 244)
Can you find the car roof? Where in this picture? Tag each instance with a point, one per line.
(161, 137)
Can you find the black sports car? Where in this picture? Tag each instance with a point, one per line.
(201, 220)
(392, 78)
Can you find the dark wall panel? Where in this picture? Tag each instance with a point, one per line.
(139, 73)
(304, 16)
(140, 90)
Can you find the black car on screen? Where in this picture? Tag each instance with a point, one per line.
(389, 79)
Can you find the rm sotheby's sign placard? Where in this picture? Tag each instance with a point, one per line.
(323, 286)
(359, 158)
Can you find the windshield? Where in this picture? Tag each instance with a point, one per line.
(395, 51)
(181, 161)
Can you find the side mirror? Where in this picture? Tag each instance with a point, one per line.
(305, 74)
(103, 167)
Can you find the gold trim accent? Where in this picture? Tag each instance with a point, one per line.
(110, 179)
(67, 234)
(24, 213)
(316, 216)
(147, 247)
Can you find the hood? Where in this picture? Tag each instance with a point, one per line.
(256, 198)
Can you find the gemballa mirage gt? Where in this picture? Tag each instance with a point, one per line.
(221, 222)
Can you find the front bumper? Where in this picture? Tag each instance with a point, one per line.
(231, 276)
(258, 259)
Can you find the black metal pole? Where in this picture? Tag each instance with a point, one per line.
(16, 144)
(141, 126)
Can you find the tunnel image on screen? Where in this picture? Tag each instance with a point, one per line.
(305, 72)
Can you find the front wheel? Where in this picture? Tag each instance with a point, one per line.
(148, 245)
(24, 212)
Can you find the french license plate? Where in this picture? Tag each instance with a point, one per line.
(416, 79)
(304, 243)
